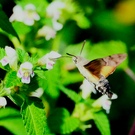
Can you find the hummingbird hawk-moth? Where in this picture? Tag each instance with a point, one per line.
(97, 70)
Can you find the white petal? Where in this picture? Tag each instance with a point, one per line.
(54, 55)
(37, 93)
(57, 26)
(30, 7)
(10, 52)
(3, 102)
(49, 64)
(26, 65)
(19, 74)
(4, 61)
(25, 80)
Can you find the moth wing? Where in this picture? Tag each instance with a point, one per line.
(104, 66)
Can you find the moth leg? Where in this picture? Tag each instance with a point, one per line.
(104, 87)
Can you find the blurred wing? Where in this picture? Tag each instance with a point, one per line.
(104, 66)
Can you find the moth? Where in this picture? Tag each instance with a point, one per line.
(97, 70)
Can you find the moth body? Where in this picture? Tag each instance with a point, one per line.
(80, 62)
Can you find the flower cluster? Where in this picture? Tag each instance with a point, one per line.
(53, 11)
(27, 15)
(25, 70)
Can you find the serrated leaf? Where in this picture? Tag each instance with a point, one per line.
(6, 25)
(71, 94)
(22, 55)
(40, 74)
(12, 121)
(102, 123)
(34, 117)
(61, 122)
(11, 79)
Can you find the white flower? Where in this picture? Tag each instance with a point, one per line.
(47, 32)
(30, 14)
(27, 15)
(56, 25)
(49, 59)
(25, 71)
(18, 14)
(37, 93)
(3, 102)
(104, 102)
(10, 58)
(53, 10)
(87, 88)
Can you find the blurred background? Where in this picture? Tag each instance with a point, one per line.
(108, 26)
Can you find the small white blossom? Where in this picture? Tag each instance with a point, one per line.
(47, 32)
(10, 58)
(56, 25)
(49, 59)
(104, 102)
(27, 15)
(37, 93)
(53, 10)
(17, 15)
(25, 71)
(87, 88)
(3, 102)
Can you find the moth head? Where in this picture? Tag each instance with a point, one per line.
(75, 58)
(78, 60)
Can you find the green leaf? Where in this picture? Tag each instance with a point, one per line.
(22, 55)
(6, 25)
(16, 99)
(34, 118)
(102, 123)
(2, 53)
(11, 79)
(40, 74)
(71, 94)
(12, 121)
(61, 122)
(50, 83)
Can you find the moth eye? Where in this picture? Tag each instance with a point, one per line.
(75, 60)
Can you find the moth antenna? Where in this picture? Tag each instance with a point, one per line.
(82, 46)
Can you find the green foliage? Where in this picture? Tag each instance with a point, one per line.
(61, 122)
(34, 118)
(6, 25)
(11, 120)
(102, 123)
(71, 94)
(11, 79)
(2, 53)
(22, 55)
(51, 83)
